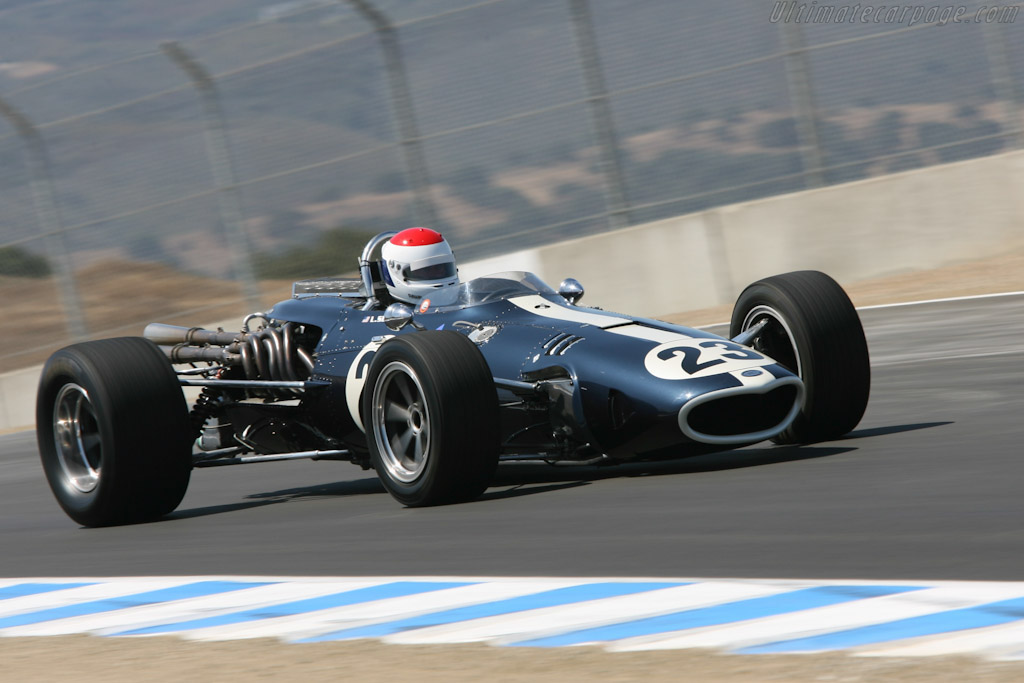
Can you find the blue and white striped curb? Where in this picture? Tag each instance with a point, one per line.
(749, 616)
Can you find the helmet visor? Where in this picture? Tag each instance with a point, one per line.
(437, 271)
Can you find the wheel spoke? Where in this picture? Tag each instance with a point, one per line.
(417, 453)
(402, 381)
(400, 442)
(396, 413)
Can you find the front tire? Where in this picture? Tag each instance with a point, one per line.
(113, 432)
(431, 415)
(813, 330)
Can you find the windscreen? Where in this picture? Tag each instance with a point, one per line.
(500, 286)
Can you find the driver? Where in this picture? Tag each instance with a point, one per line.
(419, 269)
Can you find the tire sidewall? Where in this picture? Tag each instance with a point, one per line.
(462, 404)
(829, 342)
(142, 424)
(86, 508)
(409, 493)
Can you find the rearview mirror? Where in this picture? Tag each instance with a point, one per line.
(397, 316)
(571, 290)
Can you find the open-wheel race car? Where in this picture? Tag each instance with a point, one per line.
(433, 389)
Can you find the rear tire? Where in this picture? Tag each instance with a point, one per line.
(113, 431)
(431, 414)
(814, 331)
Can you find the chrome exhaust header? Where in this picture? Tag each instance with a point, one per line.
(168, 335)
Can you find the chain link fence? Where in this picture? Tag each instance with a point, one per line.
(189, 181)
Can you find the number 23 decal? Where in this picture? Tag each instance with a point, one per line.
(687, 358)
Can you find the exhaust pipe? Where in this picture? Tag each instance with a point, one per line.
(269, 354)
(167, 335)
(183, 353)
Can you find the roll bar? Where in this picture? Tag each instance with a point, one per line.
(367, 257)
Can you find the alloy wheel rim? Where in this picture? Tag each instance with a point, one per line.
(76, 436)
(401, 421)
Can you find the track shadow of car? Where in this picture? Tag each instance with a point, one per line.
(373, 485)
(518, 475)
(526, 489)
(712, 462)
(357, 487)
(892, 429)
(516, 480)
(215, 509)
(354, 487)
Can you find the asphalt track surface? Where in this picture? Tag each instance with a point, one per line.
(929, 486)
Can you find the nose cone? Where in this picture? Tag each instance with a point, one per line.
(640, 397)
(763, 407)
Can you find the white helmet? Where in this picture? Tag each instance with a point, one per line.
(419, 268)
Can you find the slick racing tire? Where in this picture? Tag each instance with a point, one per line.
(813, 330)
(113, 432)
(431, 415)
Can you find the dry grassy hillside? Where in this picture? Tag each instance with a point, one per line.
(118, 298)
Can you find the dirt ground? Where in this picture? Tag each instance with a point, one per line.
(109, 660)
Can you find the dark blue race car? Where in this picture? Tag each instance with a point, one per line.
(434, 399)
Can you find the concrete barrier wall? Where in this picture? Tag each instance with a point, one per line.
(871, 228)
(18, 398)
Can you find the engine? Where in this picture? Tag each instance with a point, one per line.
(261, 417)
(273, 353)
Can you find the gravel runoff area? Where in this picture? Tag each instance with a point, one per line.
(89, 659)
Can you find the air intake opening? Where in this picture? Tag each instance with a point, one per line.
(742, 413)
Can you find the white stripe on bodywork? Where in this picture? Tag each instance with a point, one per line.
(538, 305)
(653, 334)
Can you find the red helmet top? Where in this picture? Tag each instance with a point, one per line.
(418, 265)
(417, 237)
